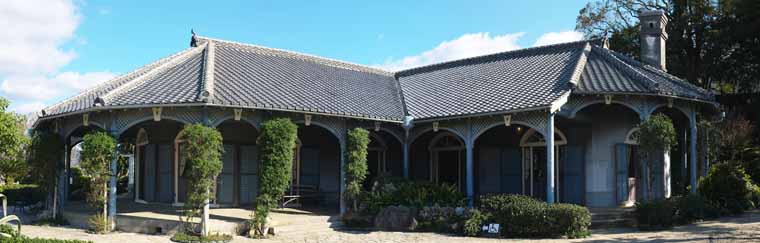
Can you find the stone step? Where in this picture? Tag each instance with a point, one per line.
(612, 223)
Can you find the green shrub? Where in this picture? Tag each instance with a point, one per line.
(98, 150)
(98, 224)
(29, 194)
(655, 214)
(728, 187)
(24, 239)
(569, 220)
(203, 149)
(418, 194)
(356, 166)
(188, 238)
(473, 224)
(692, 208)
(440, 219)
(8, 229)
(276, 143)
(523, 216)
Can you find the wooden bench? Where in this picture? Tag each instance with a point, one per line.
(298, 192)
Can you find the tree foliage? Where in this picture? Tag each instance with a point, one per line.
(12, 144)
(98, 150)
(276, 144)
(356, 168)
(203, 151)
(44, 155)
(656, 134)
(713, 44)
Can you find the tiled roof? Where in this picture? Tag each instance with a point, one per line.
(522, 79)
(610, 72)
(224, 73)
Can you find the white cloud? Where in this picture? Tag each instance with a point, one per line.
(558, 37)
(467, 45)
(27, 108)
(33, 35)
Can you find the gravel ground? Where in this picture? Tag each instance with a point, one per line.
(745, 228)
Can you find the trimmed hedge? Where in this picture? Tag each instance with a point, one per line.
(523, 216)
(27, 193)
(24, 239)
(418, 194)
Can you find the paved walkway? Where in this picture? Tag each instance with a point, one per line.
(745, 228)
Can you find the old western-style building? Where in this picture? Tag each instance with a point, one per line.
(555, 122)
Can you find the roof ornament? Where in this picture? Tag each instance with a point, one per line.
(157, 113)
(377, 126)
(307, 120)
(607, 99)
(193, 41)
(408, 122)
(99, 101)
(86, 119)
(435, 126)
(507, 120)
(238, 114)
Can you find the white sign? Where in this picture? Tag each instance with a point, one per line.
(491, 228)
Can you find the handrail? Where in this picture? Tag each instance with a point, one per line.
(5, 205)
(8, 219)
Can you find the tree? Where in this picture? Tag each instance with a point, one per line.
(98, 150)
(356, 168)
(711, 43)
(276, 144)
(203, 150)
(656, 134)
(12, 144)
(45, 154)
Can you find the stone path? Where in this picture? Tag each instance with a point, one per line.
(745, 228)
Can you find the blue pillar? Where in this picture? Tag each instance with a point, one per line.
(112, 188)
(550, 158)
(469, 174)
(342, 175)
(693, 152)
(407, 125)
(406, 153)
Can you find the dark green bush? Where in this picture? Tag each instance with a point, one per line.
(655, 214)
(473, 224)
(441, 219)
(523, 216)
(692, 208)
(23, 239)
(8, 229)
(418, 194)
(188, 238)
(568, 220)
(29, 194)
(356, 165)
(728, 187)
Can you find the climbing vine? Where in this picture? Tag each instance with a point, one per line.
(356, 168)
(44, 156)
(656, 134)
(276, 144)
(203, 152)
(98, 150)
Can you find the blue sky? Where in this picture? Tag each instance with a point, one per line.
(59, 48)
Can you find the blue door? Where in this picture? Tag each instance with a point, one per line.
(511, 171)
(573, 184)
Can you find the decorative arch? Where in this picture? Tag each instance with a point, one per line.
(533, 139)
(594, 102)
(683, 111)
(501, 123)
(441, 129)
(91, 123)
(218, 122)
(375, 137)
(326, 127)
(632, 137)
(389, 131)
(443, 141)
(148, 118)
(142, 137)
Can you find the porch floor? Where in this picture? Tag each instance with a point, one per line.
(164, 218)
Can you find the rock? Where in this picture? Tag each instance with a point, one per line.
(396, 218)
(270, 231)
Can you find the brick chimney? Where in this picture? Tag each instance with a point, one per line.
(653, 37)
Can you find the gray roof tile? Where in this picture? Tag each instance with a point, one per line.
(243, 75)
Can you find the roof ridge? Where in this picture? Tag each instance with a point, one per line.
(308, 57)
(650, 84)
(667, 75)
(175, 60)
(207, 80)
(414, 70)
(580, 65)
(113, 80)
